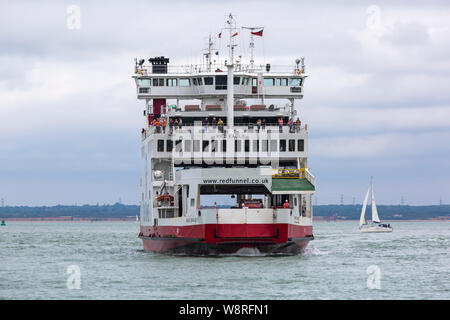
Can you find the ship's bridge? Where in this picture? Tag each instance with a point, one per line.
(190, 82)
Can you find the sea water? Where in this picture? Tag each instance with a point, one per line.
(105, 260)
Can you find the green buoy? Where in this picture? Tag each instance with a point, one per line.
(3, 223)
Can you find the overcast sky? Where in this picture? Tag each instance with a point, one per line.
(377, 101)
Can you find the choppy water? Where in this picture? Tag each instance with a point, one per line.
(413, 261)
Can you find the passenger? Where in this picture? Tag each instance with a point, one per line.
(175, 124)
(170, 126)
(214, 123)
(286, 204)
(164, 124)
(258, 124)
(280, 124)
(298, 124)
(158, 125)
(180, 122)
(205, 124)
(220, 124)
(263, 124)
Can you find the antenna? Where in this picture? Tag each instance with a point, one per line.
(342, 199)
(208, 54)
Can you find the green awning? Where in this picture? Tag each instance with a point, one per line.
(291, 186)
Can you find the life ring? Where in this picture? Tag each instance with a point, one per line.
(165, 197)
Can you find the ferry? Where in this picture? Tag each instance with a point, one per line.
(224, 153)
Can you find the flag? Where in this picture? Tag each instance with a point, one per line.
(235, 34)
(258, 33)
(220, 35)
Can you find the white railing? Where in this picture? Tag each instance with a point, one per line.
(203, 68)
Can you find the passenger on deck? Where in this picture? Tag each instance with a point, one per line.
(280, 124)
(263, 124)
(258, 124)
(171, 126)
(220, 124)
(158, 125)
(164, 124)
(286, 204)
(205, 124)
(214, 123)
(180, 122)
(297, 125)
(175, 124)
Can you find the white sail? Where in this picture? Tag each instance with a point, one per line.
(375, 217)
(362, 219)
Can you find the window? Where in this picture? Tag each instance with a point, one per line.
(160, 145)
(185, 82)
(273, 145)
(224, 145)
(178, 146)
(296, 82)
(300, 145)
(144, 83)
(236, 80)
(205, 146)
(194, 81)
(269, 82)
(187, 145)
(247, 145)
(221, 82)
(292, 145)
(172, 82)
(282, 145)
(196, 145)
(237, 145)
(208, 81)
(169, 145)
(281, 81)
(264, 145)
(254, 82)
(158, 82)
(200, 81)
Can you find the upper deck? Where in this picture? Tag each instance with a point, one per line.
(200, 81)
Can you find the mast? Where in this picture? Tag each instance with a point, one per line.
(252, 44)
(230, 66)
(375, 217)
(208, 54)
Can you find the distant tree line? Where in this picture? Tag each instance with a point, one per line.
(121, 211)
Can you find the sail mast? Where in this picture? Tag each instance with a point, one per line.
(375, 217)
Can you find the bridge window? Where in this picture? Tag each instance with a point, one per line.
(221, 82)
(236, 80)
(200, 81)
(208, 81)
(144, 83)
(269, 82)
(194, 81)
(158, 82)
(254, 82)
(172, 82)
(282, 82)
(296, 82)
(300, 145)
(185, 82)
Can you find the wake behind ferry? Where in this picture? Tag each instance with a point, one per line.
(217, 131)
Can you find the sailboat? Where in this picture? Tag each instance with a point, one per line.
(376, 225)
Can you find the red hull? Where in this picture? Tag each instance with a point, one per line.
(226, 238)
